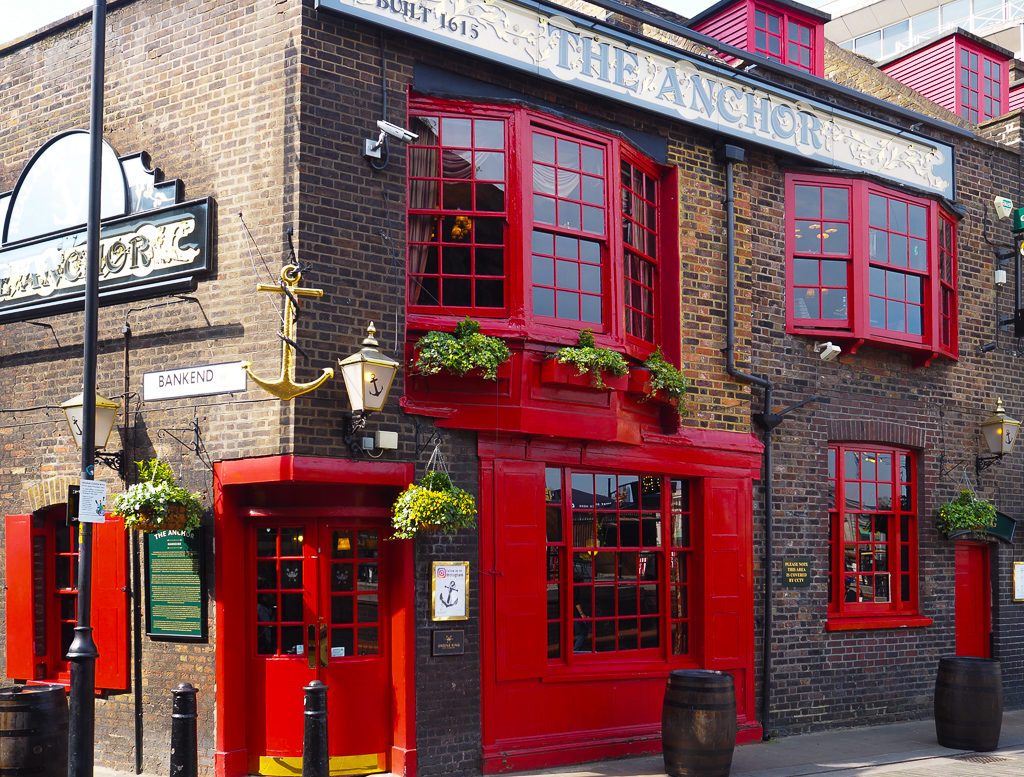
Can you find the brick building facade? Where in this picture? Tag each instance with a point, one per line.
(660, 520)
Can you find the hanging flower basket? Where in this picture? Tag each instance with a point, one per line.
(433, 504)
(156, 503)
(966, 513)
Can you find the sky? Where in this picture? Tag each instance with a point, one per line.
(18, 17)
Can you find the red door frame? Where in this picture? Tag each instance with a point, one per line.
(309, 482)
(973, 600)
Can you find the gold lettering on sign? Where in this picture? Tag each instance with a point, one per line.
(61, 264)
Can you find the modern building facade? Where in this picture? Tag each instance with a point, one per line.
(548, 171)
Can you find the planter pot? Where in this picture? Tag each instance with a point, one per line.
(968, 703)
(638, 380)
(554, 372)
(175, 520)
(698, 723)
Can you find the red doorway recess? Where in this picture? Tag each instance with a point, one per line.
(973, 600)
(308, 590)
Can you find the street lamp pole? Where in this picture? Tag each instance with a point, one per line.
(82, 653)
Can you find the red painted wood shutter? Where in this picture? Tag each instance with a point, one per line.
(728, 637)
(20, 623)
(520, 641)
(110, 602)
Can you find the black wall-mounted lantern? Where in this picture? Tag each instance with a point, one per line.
(1000, 433)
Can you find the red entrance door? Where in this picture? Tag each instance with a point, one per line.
(317, 613)
(973, 601)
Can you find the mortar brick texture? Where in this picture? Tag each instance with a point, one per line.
(265, 108)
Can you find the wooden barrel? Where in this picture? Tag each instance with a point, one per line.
(34, 731)
(698, 723)
(968, 703)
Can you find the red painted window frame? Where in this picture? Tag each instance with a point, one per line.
(516, 317)
(676, 637)
(991, 94)
(902, 532)
(939, 336)
(788, 20)
(34, 656)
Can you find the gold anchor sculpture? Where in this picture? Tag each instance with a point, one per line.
(285, 387)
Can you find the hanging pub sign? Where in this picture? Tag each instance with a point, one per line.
(552, 42)
(175, 596)
(151, 242)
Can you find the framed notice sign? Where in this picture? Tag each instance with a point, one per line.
(175, 591)
(449, 590)
(1018, 581)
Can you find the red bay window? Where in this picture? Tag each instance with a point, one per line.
(870, 265)
(527, 222)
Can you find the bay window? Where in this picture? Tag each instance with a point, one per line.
(871, 265)
(518, 218)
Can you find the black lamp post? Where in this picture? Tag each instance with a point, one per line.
(82, 653)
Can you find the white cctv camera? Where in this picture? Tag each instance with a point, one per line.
(396, 132)
(827, 351)
(1003, 206)
(372, 148)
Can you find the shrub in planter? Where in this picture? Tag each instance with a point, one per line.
(666, 381)
(435, 503)
(585, 356)
(156, 502)
(966, 513)
(460, 351)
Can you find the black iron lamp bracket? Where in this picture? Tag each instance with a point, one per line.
(352, 426)
(193, 446)
(113, 460)
(982, 463)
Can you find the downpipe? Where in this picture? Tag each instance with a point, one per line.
(730, 155)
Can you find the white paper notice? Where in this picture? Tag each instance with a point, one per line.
(92, 500)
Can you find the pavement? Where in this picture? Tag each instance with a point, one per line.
(894, 750)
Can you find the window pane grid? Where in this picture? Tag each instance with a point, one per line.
(279, 591)
(680, 561)
(611, 529)
(569, 232)
(768, 34)
(898, 251)
(821, 228)
(798, 51)
(969, 85)
(354, 602)
(457, 213)
(639, 237)
(947, 280)
(66, 583)
(873, 526)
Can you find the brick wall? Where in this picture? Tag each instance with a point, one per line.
(210, 91)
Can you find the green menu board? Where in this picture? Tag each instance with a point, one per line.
(175, 596)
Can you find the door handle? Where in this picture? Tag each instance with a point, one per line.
(324, 646)
(311, 645)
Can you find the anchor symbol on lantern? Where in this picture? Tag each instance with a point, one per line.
(285, 387)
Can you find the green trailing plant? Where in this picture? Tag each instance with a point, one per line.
(460, 351)
(666, 380)
(966, 512)
(435, 503)
(585, 356)
(157, 502)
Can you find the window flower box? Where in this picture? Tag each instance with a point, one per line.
(554, 372)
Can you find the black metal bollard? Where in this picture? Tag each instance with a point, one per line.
(184, 746)
(314, 732)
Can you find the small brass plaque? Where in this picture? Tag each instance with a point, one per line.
(449, 642)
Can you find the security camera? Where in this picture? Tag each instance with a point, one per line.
(1003, 206)
(372, 148)
(396, 132)
(827, 351)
